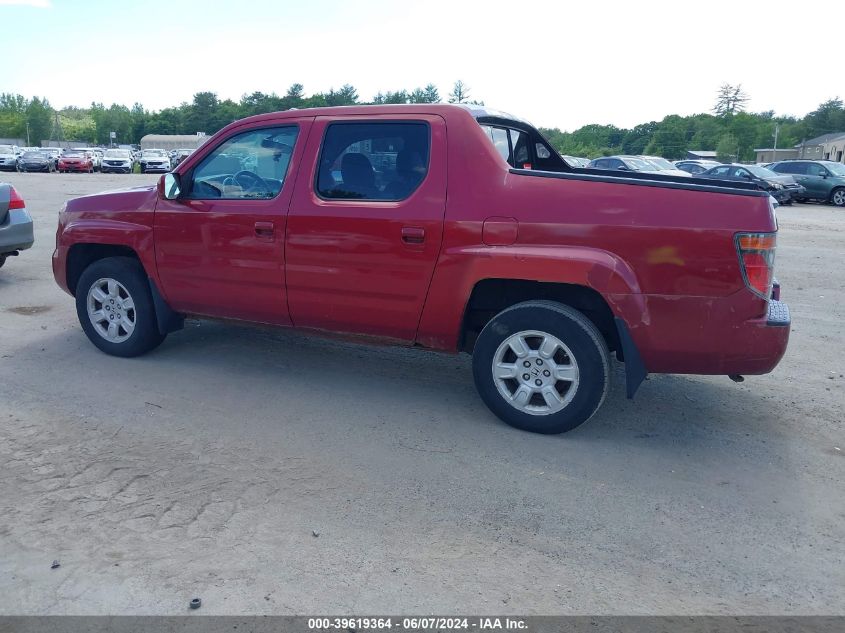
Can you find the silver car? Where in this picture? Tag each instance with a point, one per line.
(16, 231)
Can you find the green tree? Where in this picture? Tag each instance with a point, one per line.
(460, 93)
(728, 148)
(730, 100)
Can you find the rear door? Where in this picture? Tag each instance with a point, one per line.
(365, 224)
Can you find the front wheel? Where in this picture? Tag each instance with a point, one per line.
(115, 307)
(838, 197)
(541, 366)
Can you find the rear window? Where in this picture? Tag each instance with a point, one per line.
(373, 161)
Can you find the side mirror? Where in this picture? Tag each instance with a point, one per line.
(170, 186)
(823, 174)
(622, 168)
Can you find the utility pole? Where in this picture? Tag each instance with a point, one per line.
(28, 144)
(775, 153)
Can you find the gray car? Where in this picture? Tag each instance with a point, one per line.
(16, 231)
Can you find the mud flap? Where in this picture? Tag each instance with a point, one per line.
(168, 320)
(635, 371)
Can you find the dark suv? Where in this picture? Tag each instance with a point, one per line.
(823, 180)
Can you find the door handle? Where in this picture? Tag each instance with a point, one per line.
(265, 230)
(413, 234)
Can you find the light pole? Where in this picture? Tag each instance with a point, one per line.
(775, 152)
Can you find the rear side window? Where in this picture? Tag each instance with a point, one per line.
(791, 168)
(373, 161)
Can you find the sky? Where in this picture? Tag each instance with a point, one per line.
(557, 64)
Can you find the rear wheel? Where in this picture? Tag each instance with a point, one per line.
(541, 366)
(115, 307)
(838, 197)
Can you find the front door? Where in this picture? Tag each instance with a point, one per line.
(220, 245)
(365, 224)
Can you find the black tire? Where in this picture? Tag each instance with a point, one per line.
(130, 274)
(837, 197)
(576, 332)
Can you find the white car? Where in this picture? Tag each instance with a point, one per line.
(664, 167)
(155, 160)
(9, 157)
(117, 160)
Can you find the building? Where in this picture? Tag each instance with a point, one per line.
(173, 141)
(700, 154)
(12, 141)
(770, 155)
(825, 147)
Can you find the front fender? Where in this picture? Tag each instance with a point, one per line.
(460, 269)
(102, 232)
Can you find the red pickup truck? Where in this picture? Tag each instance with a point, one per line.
(447, 227)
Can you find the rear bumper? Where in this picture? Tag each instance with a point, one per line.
(738, 334)
(74, 167)
(16, 232)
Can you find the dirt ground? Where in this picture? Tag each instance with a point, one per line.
(268, 472)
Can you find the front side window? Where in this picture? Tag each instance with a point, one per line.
(249, 165)
(814, 169)
(720, 171)
(373, 161)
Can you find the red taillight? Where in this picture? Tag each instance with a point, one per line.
(757, 260)
(15, 200)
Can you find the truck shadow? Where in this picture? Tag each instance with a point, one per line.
(668, 409)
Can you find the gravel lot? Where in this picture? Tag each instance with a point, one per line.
(269, 472)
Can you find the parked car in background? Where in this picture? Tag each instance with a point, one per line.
(576, 161)
(624, 163)
(53, 153)
(782, 188)
(696, 167)
(117, 161)
(664, 167)
(74, 160)
(822, 180)
(36, 161)
(96, 158)
(8, 157)
(16, 232)
(154, 160)
(180, 155)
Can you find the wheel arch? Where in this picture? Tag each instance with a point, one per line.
(491, 296)
(81, 255)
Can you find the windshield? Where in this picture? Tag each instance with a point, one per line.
(73, 154)
(638, 164)
(837, 169)
(6, 149)
(153, 152)
(117, 153)
(661, 163)
(33, 155)
(761, 172)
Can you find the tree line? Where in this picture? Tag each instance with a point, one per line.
(726, 129)
(34, 119)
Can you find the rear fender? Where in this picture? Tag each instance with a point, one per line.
(460, 269)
